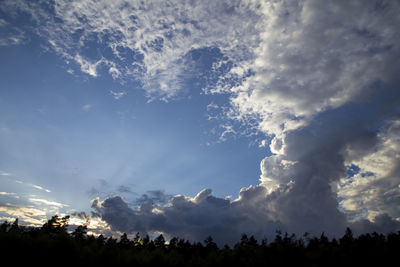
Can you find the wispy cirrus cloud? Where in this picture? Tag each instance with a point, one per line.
(38, 187)
(41, 188)
(13, 36)
(14, 178)
(9, 194)
(47, 202)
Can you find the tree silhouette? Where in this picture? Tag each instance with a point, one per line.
(53, 243)
(56, 225)
(137, 241)
(124, 241)
(80, 232)
(210, 244)
(159, 242)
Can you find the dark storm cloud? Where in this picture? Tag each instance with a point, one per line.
(194, 218)
(383, 224)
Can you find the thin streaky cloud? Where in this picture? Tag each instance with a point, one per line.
(47, 202)
(41, 188)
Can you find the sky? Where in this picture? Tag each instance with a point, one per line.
(198, 118)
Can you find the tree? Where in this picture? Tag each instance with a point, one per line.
(137, 241)
(15, 228)
(173, 243)
(124, 241)
(347, 238)
(80, 232)
(146, 240)
(4, 227)
(244, 240)
(253, 242)
(159, 242)
(210, 244)
(56, 225)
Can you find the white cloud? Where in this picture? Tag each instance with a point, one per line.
(117, 95)
(9, 194)
(228, 130)
(86, 107)
(47, 202)
(41, 188)
(313, 57)
(26, 215)
(375, 190)
(11, 35)
(300, 67)
(88, 66)
(149, 41)
(3, 22)
(38, 187)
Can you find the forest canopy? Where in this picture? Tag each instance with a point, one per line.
(54, 242)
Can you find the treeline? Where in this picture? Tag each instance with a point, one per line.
(52, 244)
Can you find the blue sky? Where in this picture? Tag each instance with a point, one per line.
(131, 112)
(67, 132)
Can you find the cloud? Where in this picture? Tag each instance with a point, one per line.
(375, 189)
(9, 194)
(95, 225)
(3, 23)
(41, 188)
(315, 57)
(147, 41)
(117, 95)
(87, 66)
(324, 90)
(38, 187)
(30, 210)
(383, 223)
(86, 107)
(29, 216)
(125, 189)
(47, 202)
(192, 218)
(11, 35)
(297, 67)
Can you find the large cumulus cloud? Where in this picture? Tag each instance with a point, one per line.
(198, 217)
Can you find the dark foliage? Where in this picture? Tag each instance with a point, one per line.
(52, 244)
